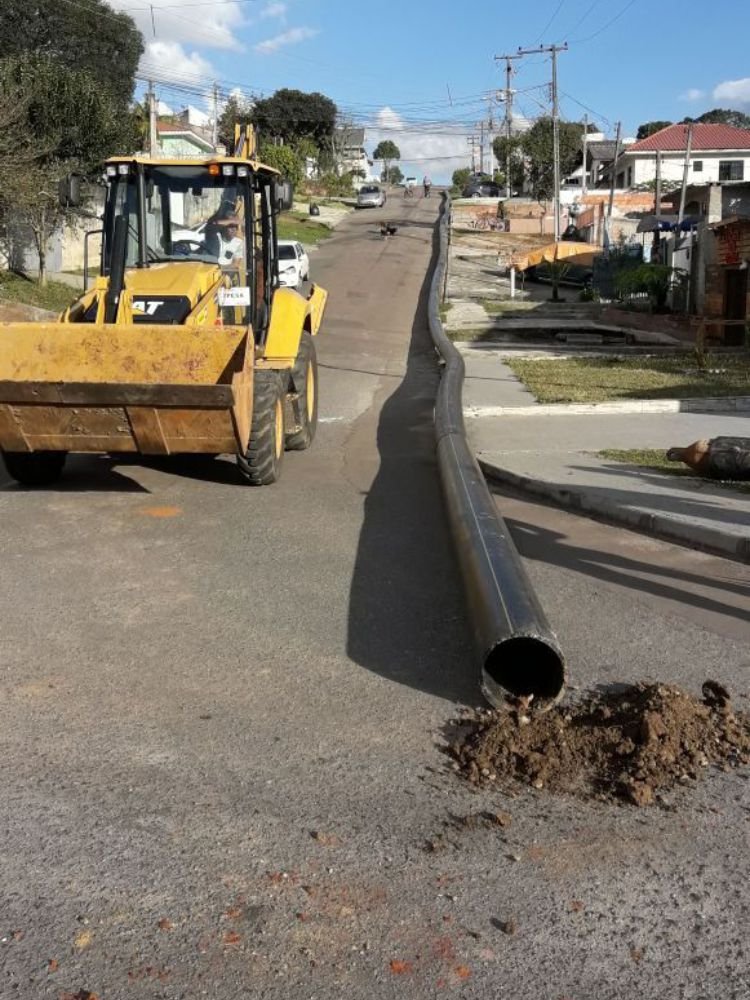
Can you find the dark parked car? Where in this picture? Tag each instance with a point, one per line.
(578, 275)
(481, 189)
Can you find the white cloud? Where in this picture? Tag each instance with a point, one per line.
(692, 94)
(736, 92)
(274, 10)
(176, 63)
(214, 27)
(291, 37)
(437, 152)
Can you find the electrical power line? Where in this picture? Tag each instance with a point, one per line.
(547, 25)
(625, 9)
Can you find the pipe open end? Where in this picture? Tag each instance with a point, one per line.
(523, 666)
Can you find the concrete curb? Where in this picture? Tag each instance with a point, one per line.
(671, 529)
(706, 404)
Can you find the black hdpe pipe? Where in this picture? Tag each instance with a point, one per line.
(518, 651)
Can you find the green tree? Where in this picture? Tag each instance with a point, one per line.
(308, 153)
(537, 146)
(66, 112)
(654, 280)
(284, 159)
(237, 111)
(393, 175)
(460, 178)
(648, 128)
(722, 116)
(509, 149)
(293, 114)
(72, 122)
(90, 38)
(387, 151)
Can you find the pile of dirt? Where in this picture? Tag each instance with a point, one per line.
(631, 744)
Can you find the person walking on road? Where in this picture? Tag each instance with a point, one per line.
(427, 184)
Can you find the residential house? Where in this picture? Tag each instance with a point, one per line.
(179, 139)
(716, 255)
(717, 153)
(349, 152)
(711, 202)
(600, 152)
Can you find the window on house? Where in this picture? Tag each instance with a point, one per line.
(731, 170)
(697, 166)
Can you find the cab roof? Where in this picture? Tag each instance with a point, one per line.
(193, 161)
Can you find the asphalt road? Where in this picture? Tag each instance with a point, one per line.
(222, 712)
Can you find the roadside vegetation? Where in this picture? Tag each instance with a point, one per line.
(55, 295)
(295, 226)
(596, 380)
(656, 459)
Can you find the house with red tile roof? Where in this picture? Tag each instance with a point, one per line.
(719, 153)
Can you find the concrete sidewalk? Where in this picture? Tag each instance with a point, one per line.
(555, 457)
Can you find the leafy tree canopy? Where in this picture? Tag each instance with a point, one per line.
(648, 128)
(293, 114)
(284, 159)
(67, 113)
(88, 37)
(460, 178)
(237, 111)
(393, 175)
(722, 116)
(537, 147)
(386, 150)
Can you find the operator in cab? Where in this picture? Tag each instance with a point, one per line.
(231, 245)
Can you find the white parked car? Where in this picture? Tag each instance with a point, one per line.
(370, 196)
(193, 235)
(294, 264)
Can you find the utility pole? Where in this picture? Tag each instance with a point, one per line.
(608, 226)
(481, 148)
(658, 184)
(656, 245)
(584, 178)
(153, 148)
(553, 50)
(215, 125)
(472, 141)
(508, 117)
(683, 192)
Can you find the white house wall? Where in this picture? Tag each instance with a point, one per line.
(644, 167)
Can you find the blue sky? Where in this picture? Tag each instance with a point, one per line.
(421, 74)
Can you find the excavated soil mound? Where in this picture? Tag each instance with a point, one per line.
(631, 745)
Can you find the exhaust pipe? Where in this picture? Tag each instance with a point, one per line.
(518, 652)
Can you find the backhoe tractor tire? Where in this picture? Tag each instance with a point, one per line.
(261, 465)
(304, 396)
(35, 468)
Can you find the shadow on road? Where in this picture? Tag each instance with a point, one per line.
(645, 577)
(109, 473)
(407, 618)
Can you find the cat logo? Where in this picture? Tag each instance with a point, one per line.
(147, 308)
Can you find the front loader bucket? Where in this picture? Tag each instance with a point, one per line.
(154, 389)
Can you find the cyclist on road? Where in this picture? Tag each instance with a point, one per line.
(427, 184)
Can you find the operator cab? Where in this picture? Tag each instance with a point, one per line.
(202, 214)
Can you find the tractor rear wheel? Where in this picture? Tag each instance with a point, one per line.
(35, 468)
(305, 396)
(261, 464)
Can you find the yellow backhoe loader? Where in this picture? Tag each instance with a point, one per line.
(185, 343)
